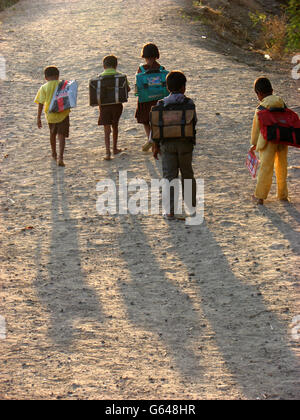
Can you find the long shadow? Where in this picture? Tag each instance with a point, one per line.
(156, 303)
(288, 232)
(65, 293)
(251, 339)
(153, 301)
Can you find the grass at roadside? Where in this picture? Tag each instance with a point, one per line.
(7, 3)
(276, 31)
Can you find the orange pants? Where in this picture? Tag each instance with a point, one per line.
(272, 155)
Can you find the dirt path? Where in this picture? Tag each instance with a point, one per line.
(132, 306)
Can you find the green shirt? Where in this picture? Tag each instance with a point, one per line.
(112, 72)
(109, 72)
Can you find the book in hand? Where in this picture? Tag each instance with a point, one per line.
(252, 163)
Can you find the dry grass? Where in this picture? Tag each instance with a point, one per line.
(220, 22)
(274, 30)
(245, 23)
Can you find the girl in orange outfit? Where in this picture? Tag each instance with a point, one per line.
(271, 155)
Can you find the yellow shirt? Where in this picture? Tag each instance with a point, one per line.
(44, 96)
(257, 138)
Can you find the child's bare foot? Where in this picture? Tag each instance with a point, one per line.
(168, 216)
(107, 156)
(147, 146)
(54, 156)
(180, 217)
(61, 163)
(258, 201)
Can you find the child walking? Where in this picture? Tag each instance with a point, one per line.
(151, 54)
(270, 154)
(58, 122)
(177, 153)
(110, 114)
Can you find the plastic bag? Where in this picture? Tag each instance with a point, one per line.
(252, 163)
(65, 96)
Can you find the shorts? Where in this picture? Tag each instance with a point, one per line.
(110, 114)
(62, 127)
(142, 113)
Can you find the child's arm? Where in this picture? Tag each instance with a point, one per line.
(39, 120)
(128, 85)
(255, 130)
(156, 150)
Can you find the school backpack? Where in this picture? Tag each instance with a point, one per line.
(280, 125)
(108, 90)
(174, 121)
(151, 85)
(64, 97)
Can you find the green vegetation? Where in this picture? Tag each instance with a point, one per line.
(7, 3)
(279, 34)
(293, 27)
(276, 32)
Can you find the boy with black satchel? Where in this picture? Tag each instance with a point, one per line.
(173, 121)
(109, 91)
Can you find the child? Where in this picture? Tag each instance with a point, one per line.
(110, 114)
(177, 154)
(58, 122)
(270, 153)
(150, 53)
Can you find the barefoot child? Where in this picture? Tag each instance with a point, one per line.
(150, 53)
(58, 121)
(270, 154)
(110, 114)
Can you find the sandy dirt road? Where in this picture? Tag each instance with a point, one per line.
(134, 307)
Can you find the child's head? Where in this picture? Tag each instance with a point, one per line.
(110, 62)
(51, 73)
(150, 52)
(176, 82)
(263, 88)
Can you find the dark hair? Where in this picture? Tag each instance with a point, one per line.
(110, 61)
(263, 85)
(150, 51)
(51, 71)
(175, 81)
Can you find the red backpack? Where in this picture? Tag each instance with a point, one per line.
(280, 125)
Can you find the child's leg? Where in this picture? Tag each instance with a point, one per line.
(148, 144)
(170, 167)
(62, 142)
(53, 144)
(189, 188)
(265, 173)
(281, 165)
(115, 130)
(53, 133)
(107, 131)
(147, 130)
